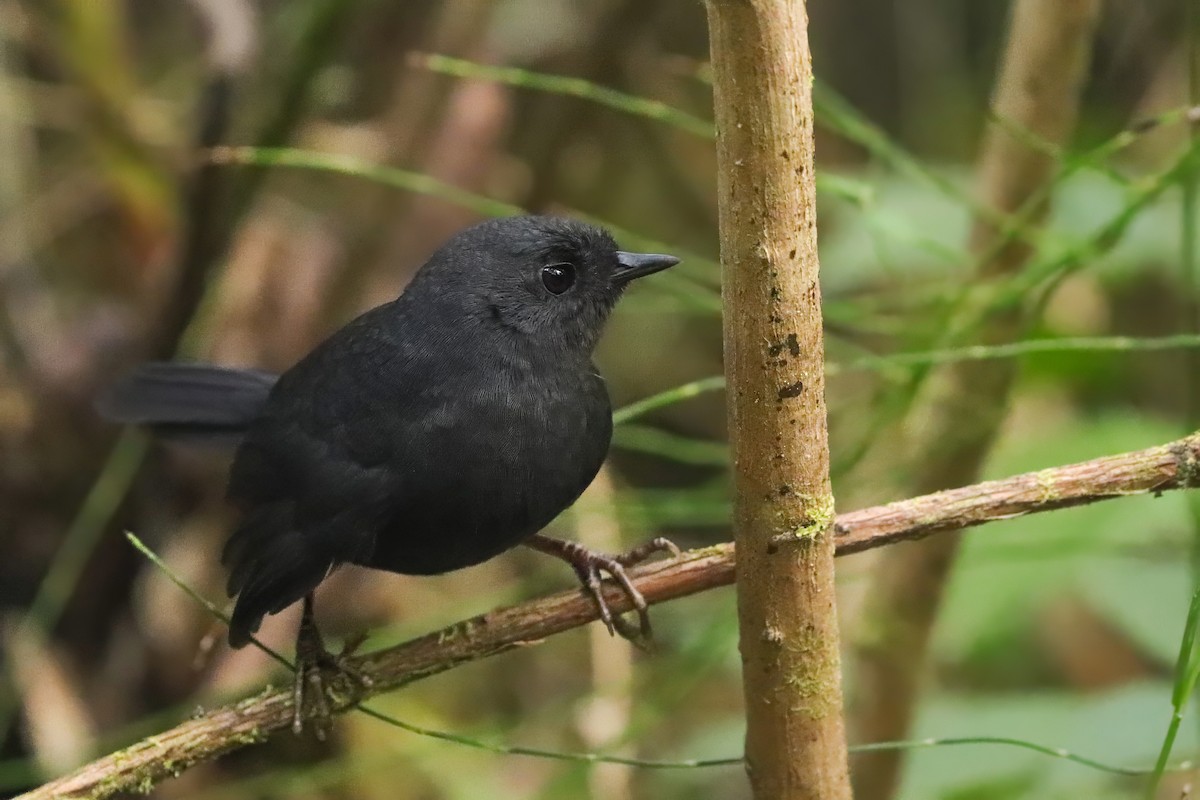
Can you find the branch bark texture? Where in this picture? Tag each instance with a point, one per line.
(138, 768)
(955, 418)
(774, 366)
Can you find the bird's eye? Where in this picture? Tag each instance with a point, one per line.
(557, 278)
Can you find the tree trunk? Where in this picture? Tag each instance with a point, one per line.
(774, 362)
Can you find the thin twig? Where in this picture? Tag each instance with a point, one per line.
(1175, 465)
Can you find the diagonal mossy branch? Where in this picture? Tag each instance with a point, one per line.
(1175, 465)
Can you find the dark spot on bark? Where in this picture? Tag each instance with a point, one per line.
(791, 344)
(791, 390)
(792, 254)
(785, 490)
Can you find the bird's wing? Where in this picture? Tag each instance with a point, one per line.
(311, 502)
(327, 462)
(308, 509)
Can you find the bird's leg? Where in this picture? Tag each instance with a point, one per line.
(588, 565)
(308, 689)
(316, 667)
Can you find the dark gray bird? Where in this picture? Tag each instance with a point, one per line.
(429, 434)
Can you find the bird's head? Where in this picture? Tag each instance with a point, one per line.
(550, 278)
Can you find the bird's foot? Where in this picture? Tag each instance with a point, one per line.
(324, 681)
(589, 565)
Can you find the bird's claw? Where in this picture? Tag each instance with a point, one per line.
(322, 678)
(637, 555)
(588, 566)
(589, 570)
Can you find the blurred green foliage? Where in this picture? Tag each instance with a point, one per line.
(1059, 629)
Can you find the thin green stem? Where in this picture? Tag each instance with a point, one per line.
(572, 87)
(699, 294)
(1189, 258)
(98, 507)
(966, 314)
(207, 604)
(555, 755)
(669, 397)
(1082, 344)
(355, 167)
(1079, 344)
(1187, 670)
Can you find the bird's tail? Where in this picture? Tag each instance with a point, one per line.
(189, 401)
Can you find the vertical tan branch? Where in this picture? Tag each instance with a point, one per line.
(956, 418)
(762, 82)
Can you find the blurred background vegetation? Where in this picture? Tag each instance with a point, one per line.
(1061, 629)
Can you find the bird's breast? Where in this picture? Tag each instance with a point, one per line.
(496, 461)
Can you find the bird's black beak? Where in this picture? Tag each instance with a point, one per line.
(639, 265)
